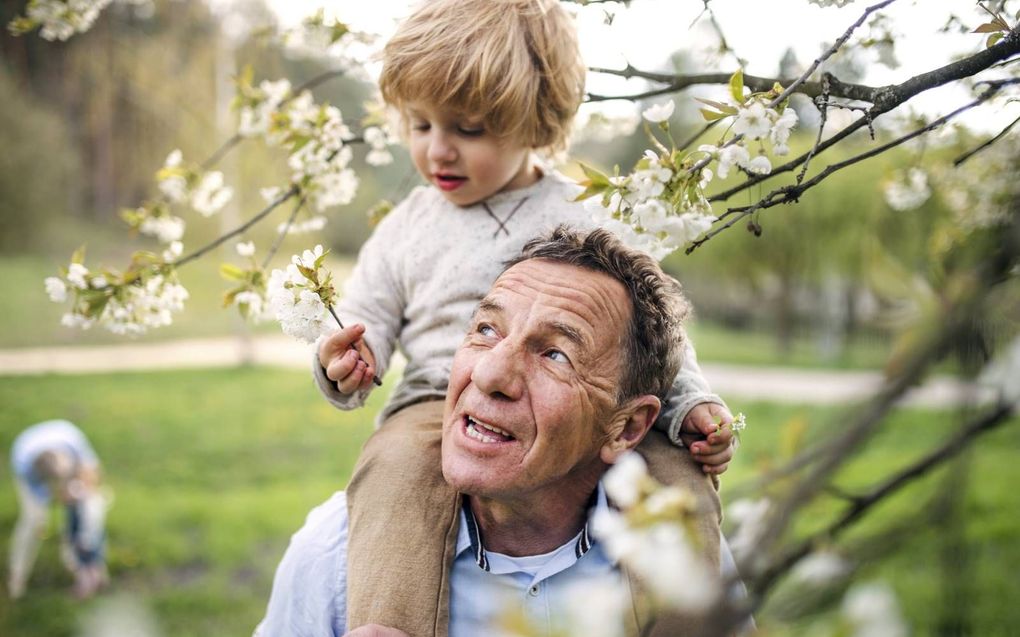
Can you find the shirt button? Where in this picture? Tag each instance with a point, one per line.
(533, 591)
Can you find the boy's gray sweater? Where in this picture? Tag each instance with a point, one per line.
(428, 264)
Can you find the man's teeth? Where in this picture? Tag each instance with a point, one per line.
(479, 431)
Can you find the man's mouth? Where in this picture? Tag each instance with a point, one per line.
(449, 182)
(484, 432)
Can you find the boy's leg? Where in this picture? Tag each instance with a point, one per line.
(28, 532)
(403, 520)
(674, 465)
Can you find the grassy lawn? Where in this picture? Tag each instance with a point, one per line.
(213, 470)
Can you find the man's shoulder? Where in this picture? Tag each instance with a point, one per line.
(325, 526)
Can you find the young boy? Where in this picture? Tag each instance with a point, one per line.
(481, 86)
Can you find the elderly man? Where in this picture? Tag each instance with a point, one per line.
(561, 372)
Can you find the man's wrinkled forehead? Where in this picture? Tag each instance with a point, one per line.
(590, 301)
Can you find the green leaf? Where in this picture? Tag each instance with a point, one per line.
(719, 106)
(595, 178)
(231, 272)
(737, 86)
(230, 295)
(590, 191)
(993, 39)
(79, 255)
(307, 272)
(319, 261)
(988, 27)
(711, 115)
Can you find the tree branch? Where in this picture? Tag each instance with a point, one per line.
(792, 193)
(964, 157)
(755, 83)
(282, 234)
(889, 97)
(962, 439)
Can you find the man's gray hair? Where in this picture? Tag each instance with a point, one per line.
(655, 341)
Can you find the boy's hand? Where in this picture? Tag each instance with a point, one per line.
(709, 442)
(343, 365)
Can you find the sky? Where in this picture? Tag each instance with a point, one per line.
(650, 30)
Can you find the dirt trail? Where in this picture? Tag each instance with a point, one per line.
(733, 382)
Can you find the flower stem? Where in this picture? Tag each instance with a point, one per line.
(375, 379)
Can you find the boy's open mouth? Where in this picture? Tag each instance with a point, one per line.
(484, 432)
(449, 182)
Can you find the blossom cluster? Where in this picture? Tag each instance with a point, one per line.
(319, 36)
(58, 19)
(661, 205)
(249, 292)
(314, 135)
(179, 183)
(145, 296)
(653, 533)
(300, 295)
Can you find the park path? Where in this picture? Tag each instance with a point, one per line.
(778, 384)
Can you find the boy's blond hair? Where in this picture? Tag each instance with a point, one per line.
(516, 63)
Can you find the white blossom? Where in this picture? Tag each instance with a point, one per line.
(334, 189)
(166, 228)
(76, 274)
(780, 132)
(623, 480)
(379, 157)
(56, 289)
(596, 609)
(658, 113)
(872, 610)
(270, 194)
(174, 250)
(907, 191)
(313, 224)
(819, 568)
(300, 311)
(253, 303)
(245, 249)
(211, 195)
(753, 121)
(174, 187)
(308, 257)
(732, 155)
(760, 165)
(749, 517)
(98, 282)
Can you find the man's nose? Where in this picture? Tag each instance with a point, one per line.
(499, 372)
(441, 148)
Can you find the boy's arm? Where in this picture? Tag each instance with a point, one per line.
(373, 297)
(691, 414)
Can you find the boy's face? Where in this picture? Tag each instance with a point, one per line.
(467, 163)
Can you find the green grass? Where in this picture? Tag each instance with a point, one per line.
(213, 470)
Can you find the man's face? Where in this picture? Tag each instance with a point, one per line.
(533, 386)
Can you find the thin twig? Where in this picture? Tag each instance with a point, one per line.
(964, 157)
(240, 229)
(693, 138)
(282, 234)
(829, 52)
(791, 193)
(375, 379)
(823, 107)
(890, 97)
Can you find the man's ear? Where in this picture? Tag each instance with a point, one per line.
(628, 428)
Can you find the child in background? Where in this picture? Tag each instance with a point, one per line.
(482, 87)
(53, 460)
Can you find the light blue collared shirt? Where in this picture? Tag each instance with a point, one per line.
(310, 587)
(309, 597)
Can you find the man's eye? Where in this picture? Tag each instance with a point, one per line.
(486, 330)
(557, 356)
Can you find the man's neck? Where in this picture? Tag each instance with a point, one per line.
(536, 524)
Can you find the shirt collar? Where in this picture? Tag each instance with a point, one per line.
(470, 536)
